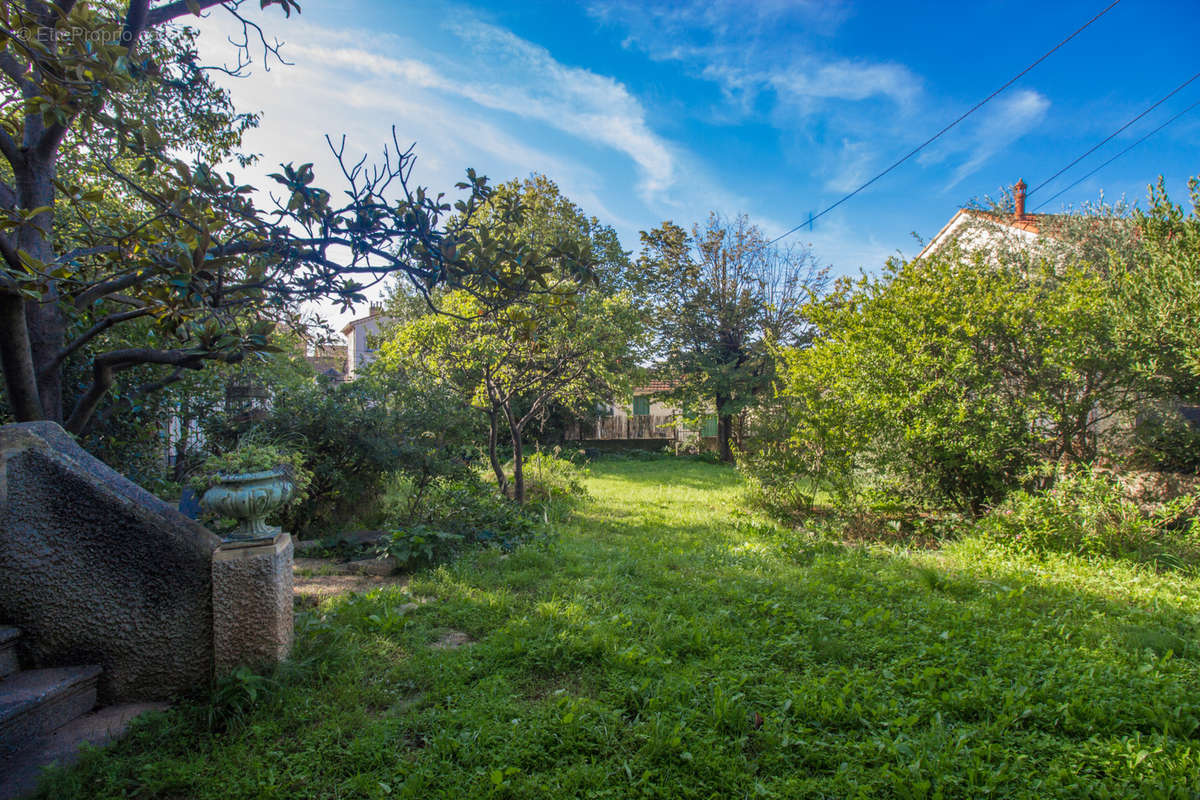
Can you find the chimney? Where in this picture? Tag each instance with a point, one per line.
(377, 308)
(1019, 198)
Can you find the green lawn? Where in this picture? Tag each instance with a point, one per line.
(670, 645)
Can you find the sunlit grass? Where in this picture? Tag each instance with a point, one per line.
(670, 645)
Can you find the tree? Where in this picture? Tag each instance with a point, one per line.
(513, 361)
(955, 373)
(1158, 292)
(720, 295)
(182, 246)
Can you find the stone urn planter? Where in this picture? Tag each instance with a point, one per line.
(249, 498)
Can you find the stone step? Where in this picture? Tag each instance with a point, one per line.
(38, 701)
(8, 650)
(22, 769)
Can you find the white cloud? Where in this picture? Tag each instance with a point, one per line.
(1001, 123)
(479, 96)
(528, 83)
(738, 45)
(850, 167)
(495, 102)
(654, 25)
(848, 80)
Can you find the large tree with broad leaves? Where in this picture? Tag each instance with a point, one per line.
(114, 212)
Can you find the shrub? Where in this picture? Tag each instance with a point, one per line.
(420, 546)
(1167, 443)
(431, 521)
(551, 479)
(1087, 512)
(354, 436)
(452, 515)
(798, 445)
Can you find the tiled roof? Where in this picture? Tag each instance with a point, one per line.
(1029, 222)
(650, 387)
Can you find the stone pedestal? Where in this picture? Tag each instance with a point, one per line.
(252, 603)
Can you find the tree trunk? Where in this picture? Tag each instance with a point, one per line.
(518, 466)
(724, 430)
(497, 467)
(16, 359)
(43, 318)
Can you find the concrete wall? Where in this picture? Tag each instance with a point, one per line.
(96, 570)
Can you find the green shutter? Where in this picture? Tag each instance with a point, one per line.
(710, 428)
(641, 406)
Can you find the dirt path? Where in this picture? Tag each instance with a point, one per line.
(317, 579)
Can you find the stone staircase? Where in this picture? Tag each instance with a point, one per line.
(46, 714)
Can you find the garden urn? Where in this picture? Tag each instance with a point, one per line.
(249, 498)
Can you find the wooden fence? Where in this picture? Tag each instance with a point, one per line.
(642, 426)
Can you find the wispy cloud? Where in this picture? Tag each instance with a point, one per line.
(739, 45)
(851, 167)
(474, 94)
(653, 25)
(529, 83)
(774, 63)
(995, 128)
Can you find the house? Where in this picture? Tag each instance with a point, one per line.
(359, 333)
(645, 417)
(974, 229)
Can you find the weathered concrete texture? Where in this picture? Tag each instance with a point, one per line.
(8, 651)
(96, 570)
(252, 603)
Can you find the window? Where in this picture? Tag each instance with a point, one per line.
(641, 406)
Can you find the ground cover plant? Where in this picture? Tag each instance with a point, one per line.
(667, 644)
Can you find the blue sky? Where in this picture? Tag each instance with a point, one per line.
(645, 111)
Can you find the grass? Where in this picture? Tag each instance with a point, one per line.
(670, 645)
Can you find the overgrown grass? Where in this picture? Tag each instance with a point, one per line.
(669, 645)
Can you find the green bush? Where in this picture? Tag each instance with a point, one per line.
(1087, 512)
(553, 480)
(431, 522)
(452, 515)
(420, 546)
(355, 436)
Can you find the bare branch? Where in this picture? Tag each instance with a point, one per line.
(99, 290)
(91, 333)
(105, 367)
(171, 11)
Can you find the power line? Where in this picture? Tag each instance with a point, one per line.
(939, 134)
(1113, 135)
(1118, 155)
